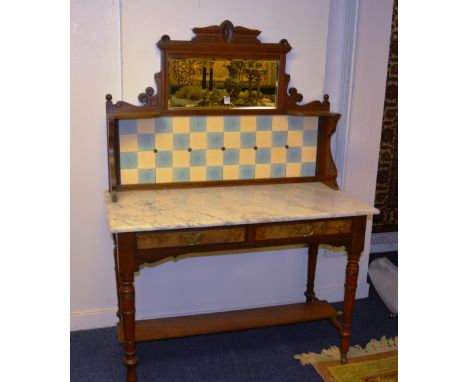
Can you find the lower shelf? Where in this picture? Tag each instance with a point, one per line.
(184, 326)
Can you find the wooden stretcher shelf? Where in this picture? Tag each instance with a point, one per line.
(173, 327)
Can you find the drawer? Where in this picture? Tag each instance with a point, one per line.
(189, 238)
(297, 230)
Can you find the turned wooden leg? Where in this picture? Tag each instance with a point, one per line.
(352, 271)
(117, 279)
(311, 265)
(127, 296)
(126, 269)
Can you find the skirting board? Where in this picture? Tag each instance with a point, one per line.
(384, 242)
(104, 318)
(93, 319)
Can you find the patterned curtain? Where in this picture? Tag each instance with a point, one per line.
(386, 194)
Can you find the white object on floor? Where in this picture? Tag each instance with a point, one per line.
(384, 276)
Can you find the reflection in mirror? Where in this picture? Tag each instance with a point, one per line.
(222, 83)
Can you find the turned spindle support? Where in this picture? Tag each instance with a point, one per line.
(117, 279)
(311, 266)
(354, 251)
(126, 266)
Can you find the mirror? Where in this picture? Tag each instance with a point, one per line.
(222, 83)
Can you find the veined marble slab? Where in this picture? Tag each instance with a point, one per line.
(148, 210)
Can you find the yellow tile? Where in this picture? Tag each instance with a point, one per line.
(128, 143)
(214, 124)
(145, 126)
(214, 157)
(248, 123)
(129, 176)
(309, 154)
(278, 155)
(232, 140)
(198, 141)
(146, 159)
(263, 138)
(279, 123)
(164, 142)
(164, 175)
(310, 123)
(231, 172)
(262, 171)
(295, 138)
(293, 170)
(247, 156)
(180, 159)
(181, 124)
(197, 174)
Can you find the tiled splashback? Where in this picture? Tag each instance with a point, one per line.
(191, 149)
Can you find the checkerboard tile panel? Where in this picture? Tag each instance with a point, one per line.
(197, 149)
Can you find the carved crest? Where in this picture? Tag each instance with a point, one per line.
(226, 32)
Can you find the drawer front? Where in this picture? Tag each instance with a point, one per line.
(189, 238)
(298, 230)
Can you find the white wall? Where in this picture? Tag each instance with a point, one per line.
(197, 284)
(367, 103)
(95, 71)
(303, 23)
(360, 94)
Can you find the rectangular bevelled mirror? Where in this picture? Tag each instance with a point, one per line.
(222, 83)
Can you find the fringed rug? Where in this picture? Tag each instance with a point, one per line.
(377, 362)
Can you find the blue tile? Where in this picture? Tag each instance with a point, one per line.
(294, 154)
(146, 176)
(215, 140)
(164, 159)
(247, 139)
(198, 158)
(279, 138)
(310, 138)
(231, 156)
(181, 141)
(247, 171)
(308, 169)
(128, 126)
(197, 124)
(163, 125)
(278, 170)
(263, 155)
(264, 123)
(231, 123)
(295, 123)
(181, 174)
(128, 160)
(145, 142)
(214, 173)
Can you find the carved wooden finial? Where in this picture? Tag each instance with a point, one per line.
(109, 97)
(165, 38)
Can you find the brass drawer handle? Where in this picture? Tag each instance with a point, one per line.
(304, 231)
(193, 238)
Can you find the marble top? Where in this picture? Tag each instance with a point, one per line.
(148, 210)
